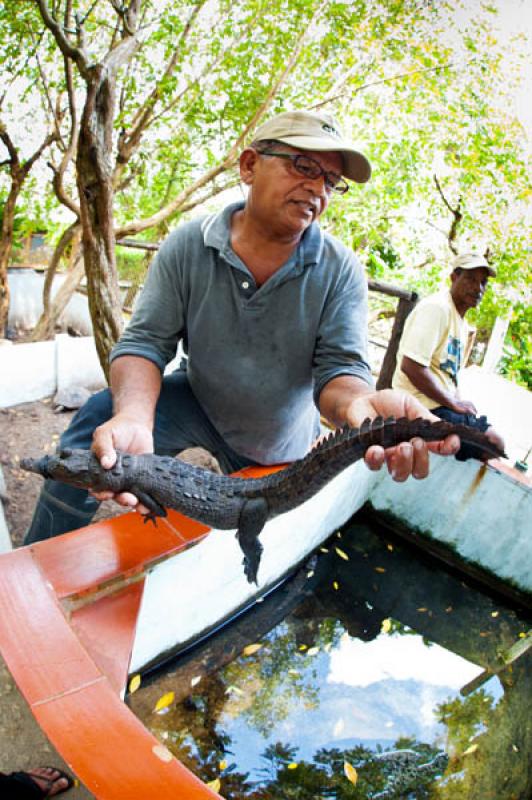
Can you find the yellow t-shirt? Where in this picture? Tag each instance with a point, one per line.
(435, 336)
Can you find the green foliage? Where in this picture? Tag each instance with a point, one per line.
(516, 363)
(132, 265)
(424, 88)
(465, 718)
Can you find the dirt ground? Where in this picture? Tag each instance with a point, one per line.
(30, 430)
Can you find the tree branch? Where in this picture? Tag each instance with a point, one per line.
(52, 137)
(365, 86)
(457, 216)
(232, 154)
(144, 112)
(13, 160)
(75, 53)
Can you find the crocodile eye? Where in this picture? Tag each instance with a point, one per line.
(65, 453)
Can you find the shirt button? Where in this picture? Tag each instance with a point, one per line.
(245, 284)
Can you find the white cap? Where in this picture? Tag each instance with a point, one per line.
(308, 130)
(472, 261)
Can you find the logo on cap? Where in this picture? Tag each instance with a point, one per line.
(329, 129)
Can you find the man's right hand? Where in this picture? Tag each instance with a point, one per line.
(463, 407)
(122, 432)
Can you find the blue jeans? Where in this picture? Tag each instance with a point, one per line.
(180, 422)
(480, 423)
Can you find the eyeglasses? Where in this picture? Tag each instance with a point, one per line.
(312, 169)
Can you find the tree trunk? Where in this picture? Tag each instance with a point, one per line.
(6, 245)
(46, 325)
(95, 185)
(52, 311)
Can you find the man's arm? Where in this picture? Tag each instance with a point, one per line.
(349, 400)
(423, 379)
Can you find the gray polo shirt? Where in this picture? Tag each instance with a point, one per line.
(258, 358)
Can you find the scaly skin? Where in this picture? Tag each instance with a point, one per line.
(245, 504)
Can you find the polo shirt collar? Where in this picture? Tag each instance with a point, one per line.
(216, 233)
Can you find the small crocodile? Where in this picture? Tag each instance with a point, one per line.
(225, 502)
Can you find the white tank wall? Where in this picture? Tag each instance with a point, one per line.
(25, 305)
(34, 370)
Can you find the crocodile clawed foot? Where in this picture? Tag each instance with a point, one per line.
(151, 517)
(251, 562)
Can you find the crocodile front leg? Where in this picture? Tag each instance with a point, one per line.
(252, 519)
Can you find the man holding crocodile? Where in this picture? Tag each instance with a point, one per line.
(272, 313)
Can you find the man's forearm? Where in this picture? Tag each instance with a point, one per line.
(423, 379)
(337, 395)
(135, 386)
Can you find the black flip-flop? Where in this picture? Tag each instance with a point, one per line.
(34, 790)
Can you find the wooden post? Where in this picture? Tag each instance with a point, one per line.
(404, 307)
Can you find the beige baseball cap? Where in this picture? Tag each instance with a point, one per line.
(309, 130)
(472, 261)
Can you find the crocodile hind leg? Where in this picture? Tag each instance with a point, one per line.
(251, 522)
(155, 508)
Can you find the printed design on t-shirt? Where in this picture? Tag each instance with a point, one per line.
(451, 365)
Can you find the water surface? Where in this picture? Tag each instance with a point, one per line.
(373, 673)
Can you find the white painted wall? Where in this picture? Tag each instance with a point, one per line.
(34, 370)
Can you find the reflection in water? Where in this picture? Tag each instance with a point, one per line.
(355, 693)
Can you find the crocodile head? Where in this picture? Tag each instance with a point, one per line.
(76, 467)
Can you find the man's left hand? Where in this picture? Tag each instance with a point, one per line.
(407, 458)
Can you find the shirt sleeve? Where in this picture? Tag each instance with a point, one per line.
(423, 332)
(341, 344)
(157, 323)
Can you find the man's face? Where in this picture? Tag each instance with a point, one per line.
(284, 199)
(468, 287)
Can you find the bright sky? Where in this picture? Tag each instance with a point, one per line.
(397, 657)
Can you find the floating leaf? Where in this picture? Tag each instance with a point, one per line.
(303, 647)
(259, 600)
(310, 574)
(380, 569)
(134, 683)
(323, 550)
(249, 649)
(336, 585)
(470, 750)
(342, 554)
(422, 609)
(448, 609)
(195, 681)
(339, 727)
(313, 651)
(386, 626)
(390, 547)
(233, 690)
(294, 672)
(222, 765)
(494, 613)
(215, 785)
(515, 748)
(162, 752)
(350, 773)
(164, 702)
(292, 765)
